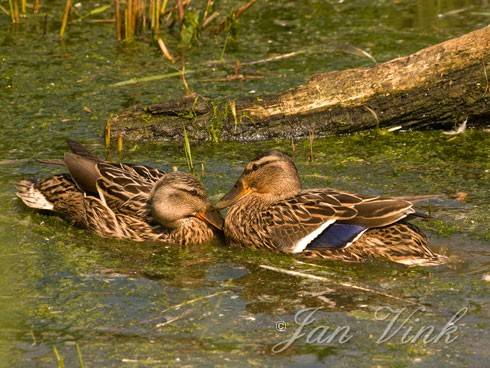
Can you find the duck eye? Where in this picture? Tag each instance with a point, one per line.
(194, 192)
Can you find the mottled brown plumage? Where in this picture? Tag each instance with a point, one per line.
(125, 201)
(268, 209)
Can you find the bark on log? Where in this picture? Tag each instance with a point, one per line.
(437, 86)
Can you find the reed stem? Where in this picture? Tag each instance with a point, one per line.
(107, 133)
(79, 354)
(163, 7)
(187, 151)
(60, 361)
(209, 5)
(187, 90)
(117, 15)
(156, 28)
(66, 14)
(127, 20)
(37, 6)
(11, 7)
(165, 51)
(181, 11)
(120, 143)
(14, 10)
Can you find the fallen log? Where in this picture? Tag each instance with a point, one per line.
(439, 86)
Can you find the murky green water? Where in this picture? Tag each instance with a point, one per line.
(126, 304)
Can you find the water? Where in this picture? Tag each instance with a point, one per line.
(127, 304)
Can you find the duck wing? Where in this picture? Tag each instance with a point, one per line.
(347, 197)
(83, 170)
(373, 211)
(328, 218)
(293, 223)
(126, 189)
(381, 212)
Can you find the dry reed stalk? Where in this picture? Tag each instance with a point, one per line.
(187, 90)
(275, 58)
(23, 6)
(233, 112)
(159, 10)
(209, 19)
(373, 113)
(132, 18)
(153, 14)
(66, 14)
(120, 143)
(188, 152)
(181, 11)
(165, 51)
(14, 11)
(117, 15)
(107, 133)
(60, 361)
(156, 28)
(143, 15)
(243, 8)
(168, 13)
(237, 13)
(37, 6)
(137, 15)
(311, 139)
(163, 8)
(209, 4)
(103, 21)
(11, 7)
(127, 23)
(5, 11)
(79, 355)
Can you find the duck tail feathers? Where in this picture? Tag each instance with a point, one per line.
(32, 196)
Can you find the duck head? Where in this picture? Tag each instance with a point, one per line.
(272, 176)
(178, 196)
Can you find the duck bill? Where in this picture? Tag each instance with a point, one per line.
(233, 196)
(212, 217)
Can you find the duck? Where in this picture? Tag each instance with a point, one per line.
(268, 208)
(125, 201)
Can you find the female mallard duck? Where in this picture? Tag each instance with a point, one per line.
(268, 209)
(125, 201)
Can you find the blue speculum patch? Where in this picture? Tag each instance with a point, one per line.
(336, 236)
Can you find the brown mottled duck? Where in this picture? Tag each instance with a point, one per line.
(269, 209)
(125, 201)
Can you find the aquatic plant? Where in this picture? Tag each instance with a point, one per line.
(137, 18)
